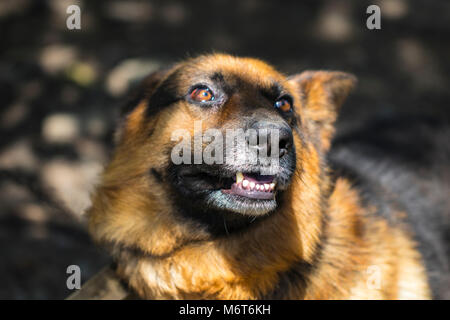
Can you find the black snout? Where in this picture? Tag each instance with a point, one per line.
(266, 132)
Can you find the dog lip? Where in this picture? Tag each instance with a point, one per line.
(253, 173)
(259, 178)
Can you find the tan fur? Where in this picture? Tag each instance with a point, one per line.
(178, 259)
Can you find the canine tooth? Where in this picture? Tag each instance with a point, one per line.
(266, 186)
(245, 183)
(239, 177)
(252, 185)
(272, 186)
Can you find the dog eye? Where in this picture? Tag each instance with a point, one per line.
(202, 94)
(283, 104)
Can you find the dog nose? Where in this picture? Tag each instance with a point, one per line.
(264, 137)
(285, 141)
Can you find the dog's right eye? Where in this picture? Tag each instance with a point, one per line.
(202, 94)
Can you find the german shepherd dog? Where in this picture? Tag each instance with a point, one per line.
(229, 230)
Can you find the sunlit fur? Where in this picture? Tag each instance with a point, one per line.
(319, 244)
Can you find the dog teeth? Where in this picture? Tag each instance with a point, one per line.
(239, 177)
(252, 186)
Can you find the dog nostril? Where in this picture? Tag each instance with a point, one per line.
(263, 139)
(284, 144)
(283, 148)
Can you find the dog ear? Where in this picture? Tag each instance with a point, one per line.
(322, 94)
(142, 91)
(135, 99)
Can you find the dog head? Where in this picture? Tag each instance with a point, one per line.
(217, 139)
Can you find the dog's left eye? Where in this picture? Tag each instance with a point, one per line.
(202, 94)
(283, 104)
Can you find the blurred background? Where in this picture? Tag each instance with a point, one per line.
(60, 90)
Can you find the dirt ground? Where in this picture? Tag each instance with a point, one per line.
(60, 89)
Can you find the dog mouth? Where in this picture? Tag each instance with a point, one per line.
(205, 188)
(252, 186)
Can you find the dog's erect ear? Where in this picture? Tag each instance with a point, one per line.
(143, 90)
(322, 94)
(140, 93)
